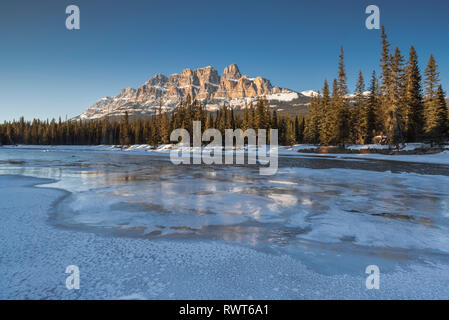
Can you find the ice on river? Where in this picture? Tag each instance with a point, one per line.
(302, 229)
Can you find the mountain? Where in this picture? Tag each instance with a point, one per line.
(309, 93)
(203, 84)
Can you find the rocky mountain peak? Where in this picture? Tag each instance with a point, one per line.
(158, 80)
(231, 72)
(203, 84)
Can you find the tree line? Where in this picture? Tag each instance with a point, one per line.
(154, 130)
(400, 106)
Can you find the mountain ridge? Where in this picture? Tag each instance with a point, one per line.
(203, 84)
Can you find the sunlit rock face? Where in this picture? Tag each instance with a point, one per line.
(203, 84)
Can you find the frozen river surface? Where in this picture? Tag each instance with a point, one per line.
(140, 227)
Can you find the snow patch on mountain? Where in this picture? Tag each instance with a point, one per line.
(284, 96)
(204, 84)
(309, 93)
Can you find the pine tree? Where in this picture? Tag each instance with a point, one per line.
(442, 111)
(124, 130)
(332, 125)
(434, 116)
(312, 130)
(261, 119)
(245, 121)
(268, 116)
(300, 133)
(274, 120)
(289, 132)
(297, 130)
(328, 116)
(252, 117)
(165, 130)
(360, 113)
(394, 116)
(342, 79)
(414, 117)
(372, 104)
(208, 123)
(342, 110)
(385, 64)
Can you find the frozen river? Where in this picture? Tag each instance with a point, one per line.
(318, 222)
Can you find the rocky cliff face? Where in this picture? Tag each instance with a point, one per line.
(204, 84)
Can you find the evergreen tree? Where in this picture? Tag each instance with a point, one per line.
(385, 64)
(261, 119)
(414, 117)
(360, 113)
(208, 123)
(312, 130)
(369, 115)
(165, 129)
(252, 117)
(328, 116)
(442, 111)
(434, 115)
(245, 121)
(300, 132)
(274, 120)
(124, 130)
(341, 103)
(394, 116)
(289, 132)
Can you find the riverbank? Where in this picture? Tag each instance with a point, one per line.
(417, 153)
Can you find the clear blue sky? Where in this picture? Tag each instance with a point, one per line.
(48, 71)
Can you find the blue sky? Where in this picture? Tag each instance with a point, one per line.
(48, 71)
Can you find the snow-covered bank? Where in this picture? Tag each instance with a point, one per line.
(306, 150)
(35, 254)
(301, 150)
(436, 158)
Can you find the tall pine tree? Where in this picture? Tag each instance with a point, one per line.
(414, 117)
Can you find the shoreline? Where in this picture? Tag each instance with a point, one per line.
(406, 149)
(411, 155)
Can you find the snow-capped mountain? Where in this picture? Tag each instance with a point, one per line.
(203, 84)
(353, 95)
(309, 93)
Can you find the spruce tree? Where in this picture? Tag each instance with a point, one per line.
(342, 110)
(434, 115)
(208, 123)
(274, 120)
(289, 132)
(252, 117)
(372, 104)
(245, 120)
(124, 130)
(328, 116)
(414, 117)
(394, 116)
(385, 64)
(359, 123)
(312, 130)
(442, 111)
